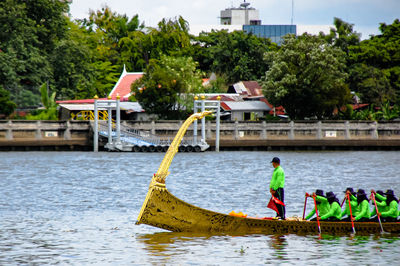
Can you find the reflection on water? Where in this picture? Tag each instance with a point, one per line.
(80, 208)
(279, 245)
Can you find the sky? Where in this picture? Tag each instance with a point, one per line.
(366, 15)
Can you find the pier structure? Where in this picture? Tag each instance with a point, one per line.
(202, 105)
(123, 138)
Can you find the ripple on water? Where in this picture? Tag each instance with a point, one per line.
(80, 207)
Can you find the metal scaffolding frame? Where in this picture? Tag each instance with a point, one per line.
(204, 104)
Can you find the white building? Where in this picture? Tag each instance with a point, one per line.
(243, 15)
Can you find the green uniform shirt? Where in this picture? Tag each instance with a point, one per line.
(364, 210)
(334, 211)
(392, 211)
(382, 207)
(380, 197)
(354, 207)
(323, 207)
(278, 178)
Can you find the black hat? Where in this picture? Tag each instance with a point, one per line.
(319, 192)
(275, 160)
(349, 189)
(361, 192)
(330, 194)
(380, 192)
(389, 192)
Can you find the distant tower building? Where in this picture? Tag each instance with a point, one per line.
(243, 15)
(248, 17)
(273, 32)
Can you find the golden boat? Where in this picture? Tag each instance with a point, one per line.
(164, 210)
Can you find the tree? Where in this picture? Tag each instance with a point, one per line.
(170, 37)
(167, 86)
(100, 35)
(110, 28)
(307, 77)
(371, 83)
(49, 103)
(342, 36)
(73, 72)
(236, 55)
(380, 56)
(6, 105)
(29, 30)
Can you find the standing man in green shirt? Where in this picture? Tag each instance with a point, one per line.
(276, 187)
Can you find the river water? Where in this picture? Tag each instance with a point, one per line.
(80, 207)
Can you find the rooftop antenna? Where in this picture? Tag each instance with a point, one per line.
(291, 20)
(244, 4)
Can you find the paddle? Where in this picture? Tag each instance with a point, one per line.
(341, 205)
(351, 214)
(305, 205)
(377, 213)
(316, 212)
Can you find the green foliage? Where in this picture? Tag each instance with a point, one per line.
(169, 38)
(390, 112)
(379, 57)
(50, 111)
(48, 114)
(6, 105)
(217, 85)
(108, 29)
(167, 85)
(113, 26)
(307, 77)
(29, 30)
(28, 98)
(237, 55)
(385, 112)
(371, 83)
(73, 71)
(342, 36)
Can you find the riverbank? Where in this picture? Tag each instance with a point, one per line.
(22, 135)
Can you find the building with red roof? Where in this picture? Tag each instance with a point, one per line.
(123, 85)
(247, 89)
(133, 110)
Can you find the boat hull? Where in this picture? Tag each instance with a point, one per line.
(166, 211)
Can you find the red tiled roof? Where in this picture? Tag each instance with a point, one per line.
(253, 88)
(279, 110)
(225, 106)
(122, 88)
(123, 85)
(223, 98)
(82, 101)
(359, 105)
(205, 81)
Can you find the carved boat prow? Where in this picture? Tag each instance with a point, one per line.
(163, 210)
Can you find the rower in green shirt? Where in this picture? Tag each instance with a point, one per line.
(353, 203)
(363, 205)
(334, 213)
(322, 204)
(392, 212)
(380, 200)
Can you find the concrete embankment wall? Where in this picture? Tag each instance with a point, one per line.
(274, 135)
(24, 135)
